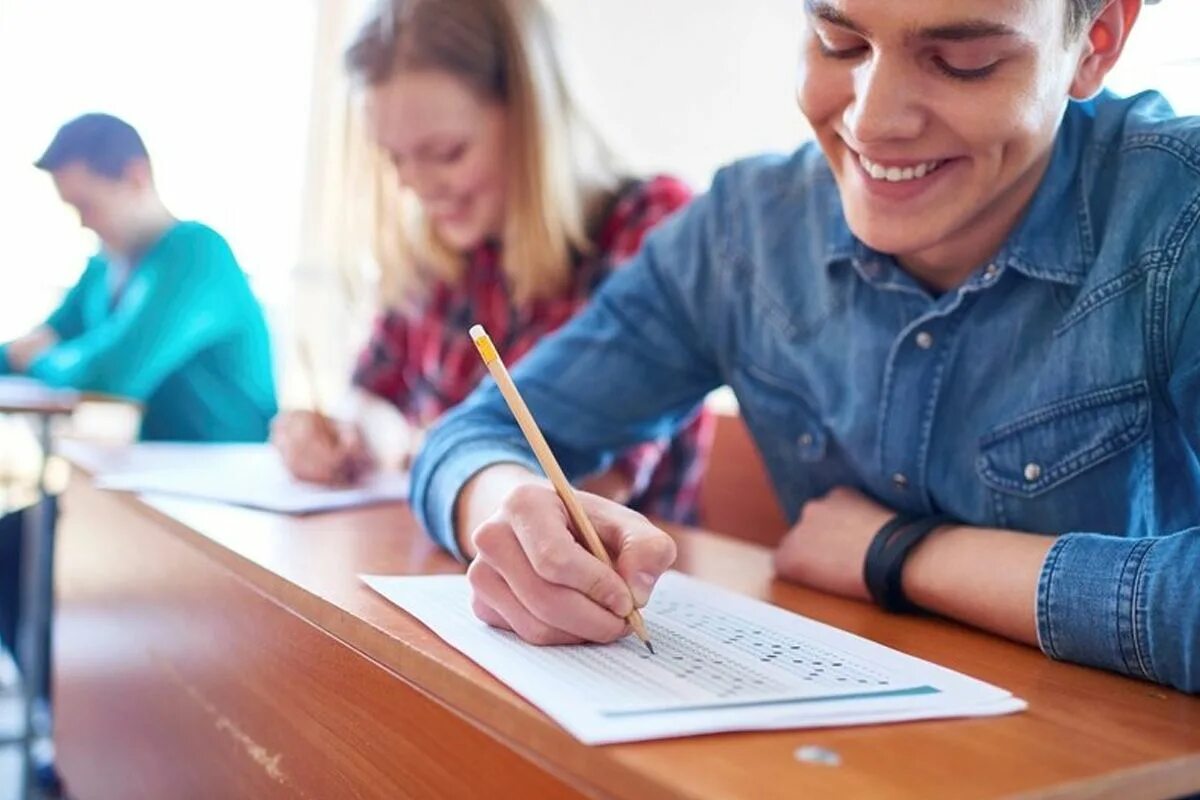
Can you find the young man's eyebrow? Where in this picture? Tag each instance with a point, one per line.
(825, 11)
(966, 30)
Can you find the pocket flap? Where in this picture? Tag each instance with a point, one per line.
(1053, 444)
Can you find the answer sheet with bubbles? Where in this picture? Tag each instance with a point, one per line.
(722, 662)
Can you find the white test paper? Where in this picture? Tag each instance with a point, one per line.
(16, 389)
(244, 475)
(723, 662)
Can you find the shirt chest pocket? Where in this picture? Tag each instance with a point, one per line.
(1071, 465)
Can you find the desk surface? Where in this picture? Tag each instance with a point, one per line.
(26, 396)
(1086, 733)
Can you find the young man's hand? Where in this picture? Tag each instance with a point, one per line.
(532, 576)
(24, 351)
(827, 547)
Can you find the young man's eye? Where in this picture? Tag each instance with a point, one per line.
(845, 53)
(964, 73)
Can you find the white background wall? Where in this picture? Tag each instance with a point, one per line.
(686, 85)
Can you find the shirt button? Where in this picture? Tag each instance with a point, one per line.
(900, 480)
(924, 340)
(1033, 471)
(990, 272)
(805, 440)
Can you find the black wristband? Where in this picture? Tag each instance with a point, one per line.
(885, 564)
(874, 565)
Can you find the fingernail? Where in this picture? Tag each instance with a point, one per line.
(641, 586)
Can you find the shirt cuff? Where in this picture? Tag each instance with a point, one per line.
(437, 498)
(1090, 594)
(5, 367)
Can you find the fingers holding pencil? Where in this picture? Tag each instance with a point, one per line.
(532, 575)
(548, 553)
(314, 447)
(318, 450)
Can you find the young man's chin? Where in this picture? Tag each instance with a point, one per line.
(895, 237)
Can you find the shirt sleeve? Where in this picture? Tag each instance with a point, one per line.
(175, 305)
(1132, 605)
(630, 368)
(67, 320)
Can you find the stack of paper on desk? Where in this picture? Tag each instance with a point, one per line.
(19, 390)
(724, 662)
(244, 475)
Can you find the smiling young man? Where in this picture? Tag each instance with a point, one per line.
(962, 328)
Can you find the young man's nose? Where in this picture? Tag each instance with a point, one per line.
(886, 106)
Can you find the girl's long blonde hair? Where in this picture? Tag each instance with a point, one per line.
(560, 170)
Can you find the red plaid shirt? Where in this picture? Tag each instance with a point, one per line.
(424, 363)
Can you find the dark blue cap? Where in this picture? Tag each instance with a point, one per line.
(102, 142)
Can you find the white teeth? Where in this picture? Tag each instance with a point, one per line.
(897, 174)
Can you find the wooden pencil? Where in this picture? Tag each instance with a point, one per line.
(541, 450)
(344, 474)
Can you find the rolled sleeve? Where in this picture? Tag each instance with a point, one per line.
(1127, 605)
(443, 477)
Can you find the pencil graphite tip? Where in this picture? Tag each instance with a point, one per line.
(649, 647)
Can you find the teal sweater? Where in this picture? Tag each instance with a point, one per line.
(185, 337)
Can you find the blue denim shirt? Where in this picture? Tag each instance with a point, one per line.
(1056, 391)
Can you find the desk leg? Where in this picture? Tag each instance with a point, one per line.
(36, 596)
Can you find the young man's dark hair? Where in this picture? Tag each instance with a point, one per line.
(105, 144)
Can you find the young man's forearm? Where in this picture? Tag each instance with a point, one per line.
(982, 576)
(20, 353)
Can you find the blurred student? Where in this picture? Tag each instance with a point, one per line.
(162, 315)
(509, 210)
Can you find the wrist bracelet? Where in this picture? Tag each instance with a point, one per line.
(888, 553)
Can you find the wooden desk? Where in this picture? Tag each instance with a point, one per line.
(208, 652)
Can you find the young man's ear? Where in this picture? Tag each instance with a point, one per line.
(1105, 39)
(138, 173)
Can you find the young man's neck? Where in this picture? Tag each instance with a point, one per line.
(146, 226)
